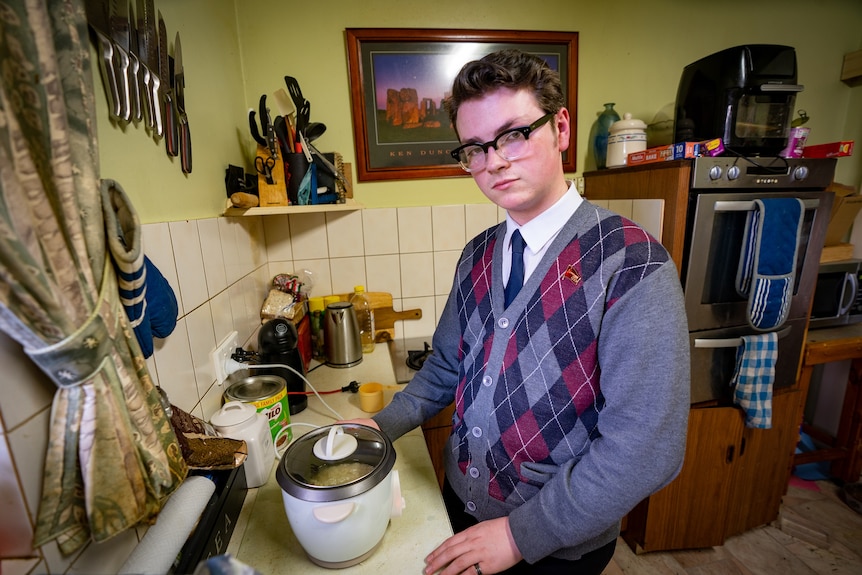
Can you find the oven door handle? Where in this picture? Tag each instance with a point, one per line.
(706, 343)
(748, 205)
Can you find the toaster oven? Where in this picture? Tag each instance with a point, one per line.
(837, 297)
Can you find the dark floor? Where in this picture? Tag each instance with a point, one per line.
(816, 534)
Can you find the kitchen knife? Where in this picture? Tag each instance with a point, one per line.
(134, 68)
(119, 24)
(185, 135)
(167, 96)
(97, 16)
(148, 40)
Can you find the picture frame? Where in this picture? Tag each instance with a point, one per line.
(399, 78)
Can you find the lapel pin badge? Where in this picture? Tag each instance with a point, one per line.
(572, 275)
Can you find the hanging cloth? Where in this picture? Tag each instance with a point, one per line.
(767, 264)
(754, 376)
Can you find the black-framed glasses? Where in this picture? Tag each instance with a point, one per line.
(510, 145)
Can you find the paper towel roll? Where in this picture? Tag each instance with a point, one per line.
(163, 541)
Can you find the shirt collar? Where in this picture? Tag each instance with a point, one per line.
(544, 227)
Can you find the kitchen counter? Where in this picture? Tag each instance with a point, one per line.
(263, 538)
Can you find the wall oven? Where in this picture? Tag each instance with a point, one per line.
(722, 194)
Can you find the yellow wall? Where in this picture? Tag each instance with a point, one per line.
(630, 53)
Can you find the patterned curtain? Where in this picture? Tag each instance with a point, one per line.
(112, 457)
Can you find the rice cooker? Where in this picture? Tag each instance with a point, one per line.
(340, 490)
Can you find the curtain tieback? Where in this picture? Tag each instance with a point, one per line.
(75, 359)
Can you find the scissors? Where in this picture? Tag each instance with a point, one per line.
(265, 136)
(264, 166)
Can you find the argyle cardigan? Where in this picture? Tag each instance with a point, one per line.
(551, 395)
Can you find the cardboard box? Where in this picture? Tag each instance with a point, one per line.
(830, 150)
(844, 210)
(677, 151)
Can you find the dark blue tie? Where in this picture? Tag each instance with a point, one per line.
(516, 276)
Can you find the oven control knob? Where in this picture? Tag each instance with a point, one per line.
(800, 173)
(732, 172)
(715, 172)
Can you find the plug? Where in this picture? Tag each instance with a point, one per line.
(222, 363)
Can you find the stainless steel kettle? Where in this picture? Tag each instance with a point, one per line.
(342, 346)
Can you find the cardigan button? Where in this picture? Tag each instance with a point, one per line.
(487, 380)
(471, 506)
(503, 322)
(474, 473)
(477, 432)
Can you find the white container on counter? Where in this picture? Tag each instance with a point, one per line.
(239, 420)
(626, 136)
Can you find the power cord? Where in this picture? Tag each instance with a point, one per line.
(232, 366)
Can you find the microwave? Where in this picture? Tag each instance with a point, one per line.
(837, 295)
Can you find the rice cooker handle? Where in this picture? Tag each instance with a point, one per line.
(398, 502)
(333, 513)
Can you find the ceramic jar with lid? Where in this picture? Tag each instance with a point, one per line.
(239, 420)
(626, 136)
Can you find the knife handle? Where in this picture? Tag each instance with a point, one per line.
(122, 59)
(109, 78)
(185, 144)
(135, 88)
(155, 86)
(170, 125)
(146, 104)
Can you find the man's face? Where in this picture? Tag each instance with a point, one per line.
(530, 184)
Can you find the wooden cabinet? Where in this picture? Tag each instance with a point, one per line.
(436, 431)
(732, 480)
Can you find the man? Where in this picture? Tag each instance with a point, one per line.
(571, 401)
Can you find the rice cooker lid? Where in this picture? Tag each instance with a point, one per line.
(332, 445)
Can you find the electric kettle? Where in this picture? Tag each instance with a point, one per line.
(341, 343)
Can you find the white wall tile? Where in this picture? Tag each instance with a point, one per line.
(478, 218)
(621, 207)
(22, 566)
(230, 250)
(448, 227)
(650, 215)
(157, 244)
(417, 274)
(414, 230)
(423, 327)
(346, 273)
(28, 444)
(201, 342)
(190, 265)
(277, 236)
(384, 274)
(249, 255)
(308, 236)
(212, 256)
(380, 231)
(176, 369)
(344, 234)
(34, 391)
(17, 540)
(444, 270)
(258, 253)
(222, 316)
(440, 304)
(320, 274)
(105, 558)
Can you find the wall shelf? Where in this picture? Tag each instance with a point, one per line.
(350, 206)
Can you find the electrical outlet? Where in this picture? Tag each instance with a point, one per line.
(221, 354)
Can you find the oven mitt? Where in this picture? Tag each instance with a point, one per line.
(767, 264)
(754, 376)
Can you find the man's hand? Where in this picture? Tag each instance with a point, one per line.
(488, 544)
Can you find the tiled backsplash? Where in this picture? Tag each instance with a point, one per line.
(220, 269)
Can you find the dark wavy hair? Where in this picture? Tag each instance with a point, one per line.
(506, 69)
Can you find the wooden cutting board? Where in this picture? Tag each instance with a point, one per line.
(384, 316)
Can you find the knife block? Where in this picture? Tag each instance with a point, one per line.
(274, 194)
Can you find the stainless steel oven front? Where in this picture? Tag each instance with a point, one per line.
(722, 195)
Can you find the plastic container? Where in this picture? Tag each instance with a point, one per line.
(364, 318)
(626, 136)
(315, 311)
(239, 420)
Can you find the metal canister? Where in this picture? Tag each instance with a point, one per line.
(268, 394)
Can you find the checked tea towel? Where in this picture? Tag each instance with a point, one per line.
(755, 374)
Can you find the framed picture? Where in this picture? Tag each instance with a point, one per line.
(400, 77)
